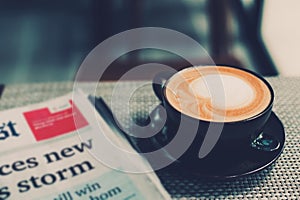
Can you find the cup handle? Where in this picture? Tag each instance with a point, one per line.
(158, 83)
(265, 142)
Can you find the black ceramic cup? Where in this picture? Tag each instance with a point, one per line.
(212, 142)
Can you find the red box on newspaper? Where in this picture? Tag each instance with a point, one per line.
(45, 124)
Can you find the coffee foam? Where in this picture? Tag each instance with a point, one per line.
(217, 93)
(230, 86)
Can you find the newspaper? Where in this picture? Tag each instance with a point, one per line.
(46, 154)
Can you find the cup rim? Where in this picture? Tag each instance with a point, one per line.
(267, 108)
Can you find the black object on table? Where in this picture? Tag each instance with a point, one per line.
(2, 86)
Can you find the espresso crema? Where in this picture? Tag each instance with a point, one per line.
(217, 93)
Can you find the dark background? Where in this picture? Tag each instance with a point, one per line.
(47, 40)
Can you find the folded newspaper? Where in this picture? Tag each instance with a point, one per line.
(56, 150)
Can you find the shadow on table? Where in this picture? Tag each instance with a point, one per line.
(186, 184)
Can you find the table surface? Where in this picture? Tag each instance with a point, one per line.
(281, 180)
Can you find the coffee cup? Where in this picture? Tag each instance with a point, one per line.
(219, 111)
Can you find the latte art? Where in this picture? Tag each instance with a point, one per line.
(217, 93)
